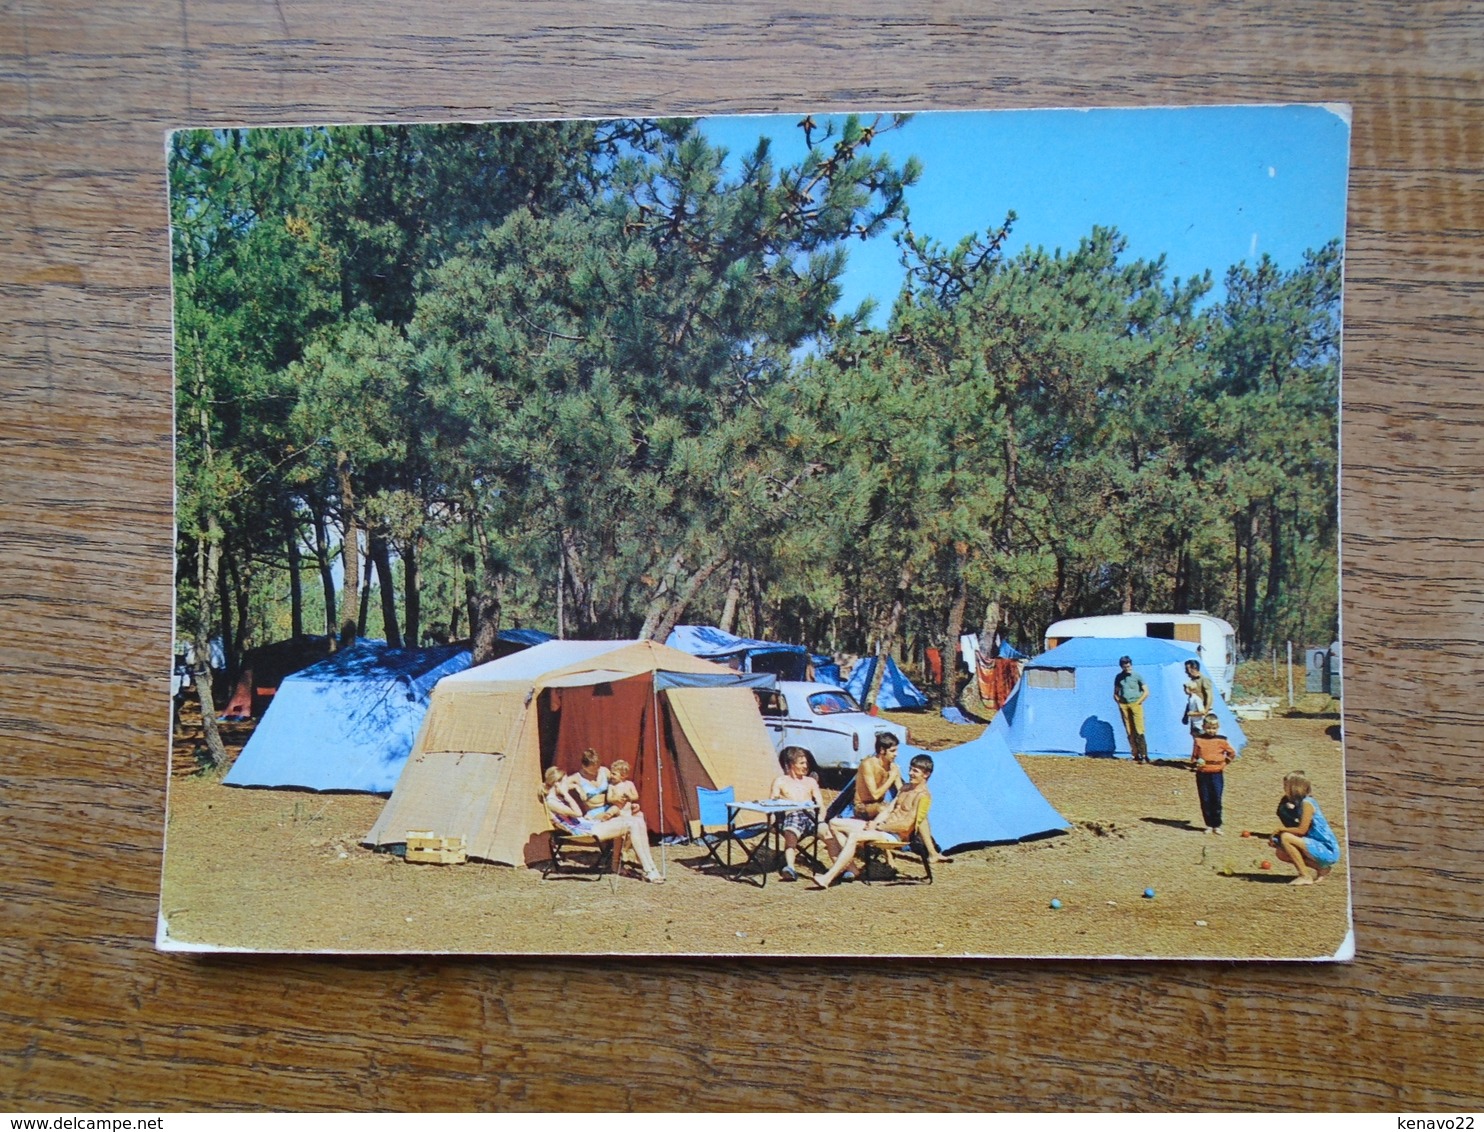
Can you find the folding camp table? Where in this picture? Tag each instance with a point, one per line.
(775, 810)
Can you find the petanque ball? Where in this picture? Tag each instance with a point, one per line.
(1055, 903)
(1149, 894)
(1267, 864)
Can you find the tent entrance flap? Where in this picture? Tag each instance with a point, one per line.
(617, 719)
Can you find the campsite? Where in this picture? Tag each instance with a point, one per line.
(277, 870)
(504, 447)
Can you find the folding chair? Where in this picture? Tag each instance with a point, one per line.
(811, 847)
(718, 836)
(581, 855)
(890, 855)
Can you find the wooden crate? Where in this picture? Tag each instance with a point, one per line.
(426, 848)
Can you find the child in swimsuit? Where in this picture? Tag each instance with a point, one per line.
(622, 797)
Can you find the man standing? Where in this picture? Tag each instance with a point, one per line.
(1200, 697)
(1129, 693)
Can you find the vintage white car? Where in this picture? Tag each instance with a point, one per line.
(823, 719)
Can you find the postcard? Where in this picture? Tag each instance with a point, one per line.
(836, 533)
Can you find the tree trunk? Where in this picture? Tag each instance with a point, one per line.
(490, 605)
(412, 593)
(208, 561)
(583, 599)
(470, 570)
(240, 588)
(733, 599)
(350, 552)
(365, 610)
(381, 554)
(659, 599)
(990, 627)
(1249, 596)
(227, 629)
(755, 592)
(561, 594)
(1275, 572)
(296, 587)
(326, 574)
(457, 603)
(687, 594)
(1181, 602)
(955, 626)
(1246, 645)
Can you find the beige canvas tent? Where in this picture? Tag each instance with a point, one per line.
(475, 769)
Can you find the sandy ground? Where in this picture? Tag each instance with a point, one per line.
(277, 870)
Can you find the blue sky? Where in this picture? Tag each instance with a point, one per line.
(1207, 187)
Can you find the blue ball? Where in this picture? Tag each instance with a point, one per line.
(1149, 893)
(1055, 903)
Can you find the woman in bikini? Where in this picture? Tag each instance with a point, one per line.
(565, 815)
(590, 784)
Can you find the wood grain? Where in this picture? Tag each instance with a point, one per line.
(91, 1017)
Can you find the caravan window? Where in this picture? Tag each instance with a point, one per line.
(1065, 678)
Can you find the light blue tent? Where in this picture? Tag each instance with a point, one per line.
(980, 795)
(1064, 702)
(787, 662)
(896, 693)
(346, 723)
(859, 681)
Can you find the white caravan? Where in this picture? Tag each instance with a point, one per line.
(1212, 638)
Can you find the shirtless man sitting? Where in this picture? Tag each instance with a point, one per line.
(796, 784)
(876, 777)
(908, 814)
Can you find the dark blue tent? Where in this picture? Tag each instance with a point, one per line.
(525, 637)
(896, 693)
(980, 795)
(787, 662)
(1064, 701)
(346, 723)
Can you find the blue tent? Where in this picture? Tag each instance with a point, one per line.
(787, 662)
(859, 682)
(525, 637)
(896, 693)
(980, 795)
(346, 723)
(1064, 701)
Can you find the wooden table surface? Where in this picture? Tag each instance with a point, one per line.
(93, 1018)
